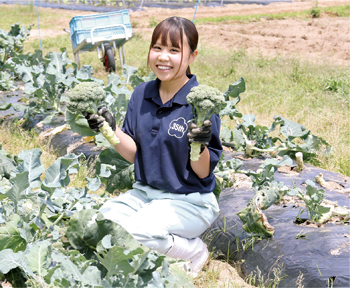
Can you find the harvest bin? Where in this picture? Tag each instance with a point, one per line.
(103, 19)
(104, 32)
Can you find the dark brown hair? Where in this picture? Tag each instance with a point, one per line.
(175, 28)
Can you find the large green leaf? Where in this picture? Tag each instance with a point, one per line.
(67, 270)
(118, 235)
(58, 62)
(19, 191)
(10, 236)
(248, 120)
(82, 231)
(38, 257)
(120, 261)
(128, 72)
(122, 177)
(7, 165)
(291, 129)
(32, 164)
(78, 124)
(235, 89)
(10, 260)
(57, 175)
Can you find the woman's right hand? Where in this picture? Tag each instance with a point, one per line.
(95, 121)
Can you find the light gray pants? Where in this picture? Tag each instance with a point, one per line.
(151, 215)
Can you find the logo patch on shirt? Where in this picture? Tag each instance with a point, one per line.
(177, 127)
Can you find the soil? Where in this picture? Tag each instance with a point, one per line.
(325, 38)
(321, 39)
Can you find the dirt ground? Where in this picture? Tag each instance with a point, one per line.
(325, 38)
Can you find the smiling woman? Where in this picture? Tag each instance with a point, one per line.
(172, 201)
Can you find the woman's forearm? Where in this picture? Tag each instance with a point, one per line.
(202, 166)
(127, 146)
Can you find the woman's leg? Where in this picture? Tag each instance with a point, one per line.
(155, 223)
(123, 206)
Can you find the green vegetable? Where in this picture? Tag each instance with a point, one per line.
(313, 199)
(87, 97)
(205, 101)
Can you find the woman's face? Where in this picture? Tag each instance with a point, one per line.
(165, 61)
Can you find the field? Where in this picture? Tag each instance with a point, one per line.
(294, 65)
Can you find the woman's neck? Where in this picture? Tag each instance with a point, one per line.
(168, 89)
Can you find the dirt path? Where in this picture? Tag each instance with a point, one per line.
(325, 38)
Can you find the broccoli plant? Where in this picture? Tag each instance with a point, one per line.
(205, 101)
(313, 199)
(86, 97)
(11, 42)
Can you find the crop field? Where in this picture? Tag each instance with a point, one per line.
(292, 58)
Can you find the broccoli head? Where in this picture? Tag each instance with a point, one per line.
(86, 97)
(205, 100)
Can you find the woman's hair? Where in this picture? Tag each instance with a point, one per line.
(175, 28)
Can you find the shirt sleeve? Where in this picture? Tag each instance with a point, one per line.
(215, 147)
(129, 121)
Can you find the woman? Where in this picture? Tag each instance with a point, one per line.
(172, 202)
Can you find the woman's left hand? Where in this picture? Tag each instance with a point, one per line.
(200, 135)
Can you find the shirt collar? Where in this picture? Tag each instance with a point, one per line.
(179, 97)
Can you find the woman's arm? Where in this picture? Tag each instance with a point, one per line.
(202, 166)
(127, 146)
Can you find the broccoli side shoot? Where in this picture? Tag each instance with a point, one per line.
(205, 100)
(86, 97)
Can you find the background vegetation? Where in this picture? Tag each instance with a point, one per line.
(313, 94)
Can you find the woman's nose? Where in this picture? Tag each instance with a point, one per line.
(163, 55)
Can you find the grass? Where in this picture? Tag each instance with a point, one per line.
(335, 11)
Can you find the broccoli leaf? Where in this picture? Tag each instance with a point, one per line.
(78, 124)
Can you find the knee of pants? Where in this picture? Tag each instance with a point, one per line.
(116, 211)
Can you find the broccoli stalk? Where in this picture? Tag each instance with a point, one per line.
(87, 97)
(205, 101)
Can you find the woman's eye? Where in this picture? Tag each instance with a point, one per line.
(175, 50)
(156, 47)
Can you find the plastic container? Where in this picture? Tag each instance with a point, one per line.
(102, 19)
(101, 34)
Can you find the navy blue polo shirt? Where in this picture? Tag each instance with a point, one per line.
(160, 131)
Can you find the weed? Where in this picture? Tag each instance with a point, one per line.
(301, 236)
(256, 278)
(152, 22)
(315, 11)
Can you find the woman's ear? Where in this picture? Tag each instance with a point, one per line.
(193, 56)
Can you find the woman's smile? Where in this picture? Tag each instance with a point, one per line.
(164, 68)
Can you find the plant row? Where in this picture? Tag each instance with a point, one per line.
(53, 234)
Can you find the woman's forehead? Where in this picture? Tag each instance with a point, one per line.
(170, 39)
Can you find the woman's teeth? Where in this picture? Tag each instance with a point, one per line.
(164, 68)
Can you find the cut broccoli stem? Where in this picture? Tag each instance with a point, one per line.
(320, 180)
(250, 147)
(109, 134)
(299, 157)
(195, 151)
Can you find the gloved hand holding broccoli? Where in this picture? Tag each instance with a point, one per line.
(205, 101)
(85, 99)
